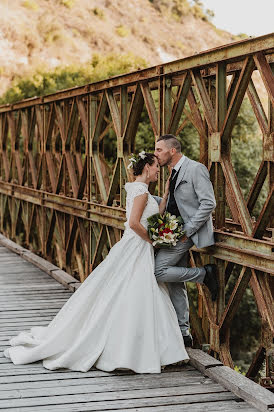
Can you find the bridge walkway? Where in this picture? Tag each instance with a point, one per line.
(29, 297)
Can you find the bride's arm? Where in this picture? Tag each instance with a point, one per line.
(139, 204)
(162, 205)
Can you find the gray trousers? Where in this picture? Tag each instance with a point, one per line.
(170, 267)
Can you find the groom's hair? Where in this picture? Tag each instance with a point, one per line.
(171, 141)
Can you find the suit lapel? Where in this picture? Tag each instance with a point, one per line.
(182, 171)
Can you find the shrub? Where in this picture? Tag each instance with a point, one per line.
(242, 36)
(122, 31)
(67, 3)
(30, 4)
(50, 30)
(179, 45)
(98, 12)
(44, 82)
(198, 12)
(239, 369)
(179, 8)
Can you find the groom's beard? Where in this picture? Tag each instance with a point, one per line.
(167, 163)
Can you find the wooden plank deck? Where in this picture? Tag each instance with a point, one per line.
(31, 297)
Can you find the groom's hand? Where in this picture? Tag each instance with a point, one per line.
(184, 239)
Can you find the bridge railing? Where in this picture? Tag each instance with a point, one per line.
(63, 166)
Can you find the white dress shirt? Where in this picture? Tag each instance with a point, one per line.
(179, 163)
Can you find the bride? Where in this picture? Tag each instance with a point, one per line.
(120, 317)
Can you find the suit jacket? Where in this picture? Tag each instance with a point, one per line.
(195, 199)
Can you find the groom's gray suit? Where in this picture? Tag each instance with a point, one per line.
(195, 200)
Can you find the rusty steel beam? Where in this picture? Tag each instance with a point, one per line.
(111, 216)
(238, 249)
(241, 250)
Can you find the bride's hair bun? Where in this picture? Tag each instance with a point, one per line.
(138, 166)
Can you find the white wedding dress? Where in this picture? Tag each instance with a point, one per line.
(120, 317)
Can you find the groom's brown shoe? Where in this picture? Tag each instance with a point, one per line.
(211, 280)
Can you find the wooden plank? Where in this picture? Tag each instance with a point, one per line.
(12, 245)
(21, 278)
(201, 360)
(33, 277)
(38, 290)
(18, 269)
(224, 406)
(139, 392)
(116, 400)
(36, 294)
(6, 270)
(34, 286)
(14, 259)
(177, 378)
(29, 305)
(243, 387)
(34, 305)
(3, 340)
(16, 317)
(16, 282)
(44, 302)
(24, 326)
(36, 299)
(4, 360)
(37, 368)
(27, 312)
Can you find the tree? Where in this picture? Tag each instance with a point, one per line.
(43, 82)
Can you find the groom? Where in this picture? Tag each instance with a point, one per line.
(191, 196)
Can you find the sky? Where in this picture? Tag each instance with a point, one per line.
(252, 17)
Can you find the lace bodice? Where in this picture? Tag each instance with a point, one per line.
(134, 189)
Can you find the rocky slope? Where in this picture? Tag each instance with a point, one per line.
(48, 33)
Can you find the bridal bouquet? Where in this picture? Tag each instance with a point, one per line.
(165, 230)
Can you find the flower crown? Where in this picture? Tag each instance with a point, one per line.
(135, 158)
